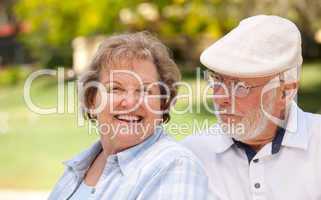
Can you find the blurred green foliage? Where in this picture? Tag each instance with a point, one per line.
(13, 75)
(53, 23)
(186, 26)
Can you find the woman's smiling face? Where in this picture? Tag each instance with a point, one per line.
(131, 111)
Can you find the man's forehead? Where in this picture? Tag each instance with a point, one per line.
(247, 80)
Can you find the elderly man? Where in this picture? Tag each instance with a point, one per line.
(264, 146)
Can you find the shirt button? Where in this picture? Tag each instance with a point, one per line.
(256, 160)
(93, 191)
(257, 185)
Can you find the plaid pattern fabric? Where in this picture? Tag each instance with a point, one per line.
(158, 168)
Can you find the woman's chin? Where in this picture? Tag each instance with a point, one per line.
(130, 131)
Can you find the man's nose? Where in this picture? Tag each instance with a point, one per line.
(222, 96)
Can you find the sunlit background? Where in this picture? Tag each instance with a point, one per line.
(37, 34)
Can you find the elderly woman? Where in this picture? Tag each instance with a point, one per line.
(134, 158)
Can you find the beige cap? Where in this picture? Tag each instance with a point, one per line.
(259, 46)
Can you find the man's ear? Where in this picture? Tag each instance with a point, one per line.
(289, 90)
(286, 93)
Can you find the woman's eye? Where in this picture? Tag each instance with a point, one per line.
(113, 89)
(117, 89)
(149, 91)
(146, 91)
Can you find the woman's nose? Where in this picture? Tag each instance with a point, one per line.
(130, 100)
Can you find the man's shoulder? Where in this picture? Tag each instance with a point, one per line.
(313, 125)
(200, 138)
(207, 142)
(313, 118)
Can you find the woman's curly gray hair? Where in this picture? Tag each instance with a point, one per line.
(129, 47)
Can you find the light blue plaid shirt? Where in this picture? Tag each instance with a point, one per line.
(158, 168)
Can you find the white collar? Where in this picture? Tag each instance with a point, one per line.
(296, 133)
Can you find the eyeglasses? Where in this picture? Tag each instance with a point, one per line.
(240, 88)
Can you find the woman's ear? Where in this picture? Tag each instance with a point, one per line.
(92, 99)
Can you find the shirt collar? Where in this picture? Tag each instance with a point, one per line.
(275, 148)
(80, 163)
(296, 134)
(129, 156)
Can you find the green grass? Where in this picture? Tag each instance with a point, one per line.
(32, 149)
(34, 146)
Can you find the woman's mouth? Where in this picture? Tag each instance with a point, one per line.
(129, 118)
